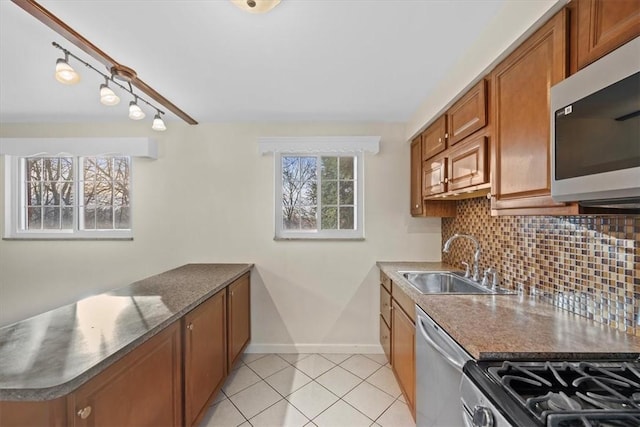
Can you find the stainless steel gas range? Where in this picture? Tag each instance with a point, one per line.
(551, 394)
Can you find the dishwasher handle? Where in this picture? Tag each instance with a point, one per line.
(439, 349)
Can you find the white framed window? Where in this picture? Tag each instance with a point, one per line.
(319, 186)
(68, 196)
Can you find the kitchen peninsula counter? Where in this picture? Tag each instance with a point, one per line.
(50, 355)
(500, 327)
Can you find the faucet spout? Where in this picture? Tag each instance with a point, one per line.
(476, 255)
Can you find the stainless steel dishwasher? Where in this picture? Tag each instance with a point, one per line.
(439, 362)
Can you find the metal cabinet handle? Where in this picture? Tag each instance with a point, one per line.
(417, 206)
(190, 326)
(84, 412)
(446, 180)
(439, 139)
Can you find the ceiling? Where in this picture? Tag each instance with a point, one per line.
(306, 60)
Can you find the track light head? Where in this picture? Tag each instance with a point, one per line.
(65, 74)
(158, 124)
(108, 96)
(135, 112)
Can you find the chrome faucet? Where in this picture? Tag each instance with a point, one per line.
(476, 255)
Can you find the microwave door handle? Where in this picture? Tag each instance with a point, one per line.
(439, 349)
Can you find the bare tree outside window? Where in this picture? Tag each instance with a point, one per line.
(303, 177)
(57, 200)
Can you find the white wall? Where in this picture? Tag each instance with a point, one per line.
(209, 198)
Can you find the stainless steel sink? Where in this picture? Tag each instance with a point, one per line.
(446, 282)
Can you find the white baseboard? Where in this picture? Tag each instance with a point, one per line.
(315, 348)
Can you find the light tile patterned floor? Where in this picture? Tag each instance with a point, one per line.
(323, 390)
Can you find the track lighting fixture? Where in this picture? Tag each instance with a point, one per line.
(107, 95)
(135, 112)
(67, 75)
(256, 6)
(158, 124)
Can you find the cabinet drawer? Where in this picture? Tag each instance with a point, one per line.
(403, 300)
(467, 164)
(385, 305)
(434, 139)
(385, 281)
(434, 174)
(385, 338)
(469, 114)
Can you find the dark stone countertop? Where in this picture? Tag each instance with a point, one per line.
(514, 327)
(50, 355)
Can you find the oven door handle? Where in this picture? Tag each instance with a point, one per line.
(436, 347)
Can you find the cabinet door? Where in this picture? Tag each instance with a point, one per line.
(385, 338)
(143, 389)
(521, 90)
(434, 138)
(469, 114)
(205, 353)
(434, 173)
(467, 164)
(416, 177)
(385, 305)
(604, 25)
(403, 353)
(239, 318)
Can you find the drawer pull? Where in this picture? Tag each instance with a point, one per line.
(84, 412)
(190, 326)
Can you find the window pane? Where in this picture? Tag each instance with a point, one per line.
(307, 217)
(329, 193)
(103, 194)
(34, 216)
(66, 169)
(51, 169)
(90, 169)
(290, 218)
(51, 218)
(34, 193)
(346, 218)
(89, 193)
(66, 193)
(346, 167)
(104, 218)
(329, 218)
(329, 168)
(121, 218)
(34, 169)
(67, 218)
(89, 218)
(346, 193)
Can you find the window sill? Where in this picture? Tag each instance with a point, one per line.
(333, 239)
(58, 238)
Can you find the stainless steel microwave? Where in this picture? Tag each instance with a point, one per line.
(595, 132)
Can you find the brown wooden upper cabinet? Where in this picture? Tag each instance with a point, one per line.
(417, 205)
(604, 25)
(467, 115)
(434, 176)
(434, 138)
(467, 164)
(521, 89)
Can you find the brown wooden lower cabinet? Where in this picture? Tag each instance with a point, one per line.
(143, 389)
(403, 353)
(205, 363)
(238, 313)
(151, 386)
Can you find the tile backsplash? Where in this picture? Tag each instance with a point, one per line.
(589, 265)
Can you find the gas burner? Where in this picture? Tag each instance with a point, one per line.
(562, 402)
(572, 392)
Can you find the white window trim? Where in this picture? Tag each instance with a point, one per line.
(354, 146)
(14, 149)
